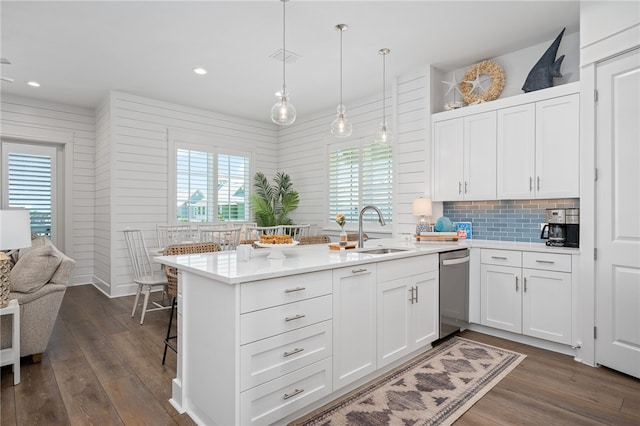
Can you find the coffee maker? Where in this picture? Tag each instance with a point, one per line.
(562, 228)
(554, 231)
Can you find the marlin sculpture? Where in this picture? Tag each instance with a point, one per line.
(542, 74)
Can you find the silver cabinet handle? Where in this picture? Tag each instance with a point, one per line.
(291, 290)
(525, 284)
(459, 187)
(295, 317)
(499, 257)
(411, 299)
(294, 393)
(416, 294)
(551, 262)
(293, 352)
(530, 184)
(466, 185)
(357, 271)
(516, 283)
(538, 184)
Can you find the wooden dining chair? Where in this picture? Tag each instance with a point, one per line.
(172, 281)
(227, 238)
(144, 274)
(173, 234)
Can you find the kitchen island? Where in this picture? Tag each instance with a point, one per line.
(267, 340)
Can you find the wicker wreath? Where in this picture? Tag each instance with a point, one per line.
(489, 68)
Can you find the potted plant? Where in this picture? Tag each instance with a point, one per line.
(272, 203)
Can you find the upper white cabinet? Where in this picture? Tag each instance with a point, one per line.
(465, 158)
(522, 147)
(539, 149)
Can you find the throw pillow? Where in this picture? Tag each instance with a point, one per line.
(34, 269)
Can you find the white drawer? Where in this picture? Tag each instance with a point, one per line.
(501, 257)
(270, 402)
(278, 291)
(271, 358)
(280, 319)
(547, 261)
(400, 268)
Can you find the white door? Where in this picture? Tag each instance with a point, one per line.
(501, 300)
(618, 213)
(424, 324)
(393, 318)
(480, 156)
(558, 147)
(448, 159)
(516, 145)
(29, 181)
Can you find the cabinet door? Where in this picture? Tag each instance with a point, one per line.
(354, 323)
(448, 159)
(480, 157)
(546, 305)
(393, 317)
(423, 323)
(516, 152)
(501, 301)
(558, 147)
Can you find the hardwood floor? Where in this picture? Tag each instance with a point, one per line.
(102, 367)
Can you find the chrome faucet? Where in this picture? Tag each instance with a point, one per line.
(380, 219)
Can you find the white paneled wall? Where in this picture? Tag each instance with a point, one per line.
(29, 120)
(303, 150)
(138, 188)
(102, 217)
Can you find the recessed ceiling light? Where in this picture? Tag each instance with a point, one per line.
(200, 71)
(33, 83)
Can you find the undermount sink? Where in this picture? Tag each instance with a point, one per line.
(381, 250)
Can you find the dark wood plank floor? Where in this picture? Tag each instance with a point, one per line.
(103, 368)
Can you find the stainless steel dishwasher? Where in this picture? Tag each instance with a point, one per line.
(454, 291)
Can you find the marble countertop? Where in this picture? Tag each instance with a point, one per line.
(225, 266)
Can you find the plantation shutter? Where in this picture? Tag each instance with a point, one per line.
(233, 203)
(30, 187)
(360, 175)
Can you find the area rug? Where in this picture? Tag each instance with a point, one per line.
(435, 388)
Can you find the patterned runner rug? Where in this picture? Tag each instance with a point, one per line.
(435, 388)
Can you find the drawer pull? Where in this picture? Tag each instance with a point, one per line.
(293, 352)
(499, 257)
(551, 262)
(357, 271)
(291, 290)
(294, 317)
(294, 393)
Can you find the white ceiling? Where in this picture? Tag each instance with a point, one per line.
(80, 50)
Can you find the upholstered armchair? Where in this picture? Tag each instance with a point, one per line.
(38, 279)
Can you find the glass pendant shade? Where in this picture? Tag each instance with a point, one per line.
(384, 135)
(283, 113)
(341, 127)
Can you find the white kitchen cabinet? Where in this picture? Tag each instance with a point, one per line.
(538, 149)
(465, 158)
(354, 319)
(527, 293)
(407, 299)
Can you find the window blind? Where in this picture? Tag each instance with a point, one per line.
(30, 187)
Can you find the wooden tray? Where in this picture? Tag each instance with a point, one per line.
(437, 237)
(336, 246)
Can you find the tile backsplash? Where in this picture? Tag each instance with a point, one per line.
(505, 220)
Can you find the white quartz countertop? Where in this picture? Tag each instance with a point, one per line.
(225, 266)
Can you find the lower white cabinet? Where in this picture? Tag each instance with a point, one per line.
(528, 293)
(354, 319)
(407, 300)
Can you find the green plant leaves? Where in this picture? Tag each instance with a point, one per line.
(272, 203)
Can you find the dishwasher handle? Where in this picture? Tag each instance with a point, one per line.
(456, 261)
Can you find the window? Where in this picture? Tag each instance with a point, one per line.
(360, 175)
(210, 187)
(29, 173)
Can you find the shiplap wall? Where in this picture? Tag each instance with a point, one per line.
(32, 121)
(141, 130)
(303, 150)
(102, 217)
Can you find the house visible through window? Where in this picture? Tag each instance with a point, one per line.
(360, 175)
(210, 186)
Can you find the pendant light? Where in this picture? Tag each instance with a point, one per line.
(384, 135)
(341, 126)
(283, 113)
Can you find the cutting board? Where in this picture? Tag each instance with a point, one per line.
(438, 236)
(336, 246)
